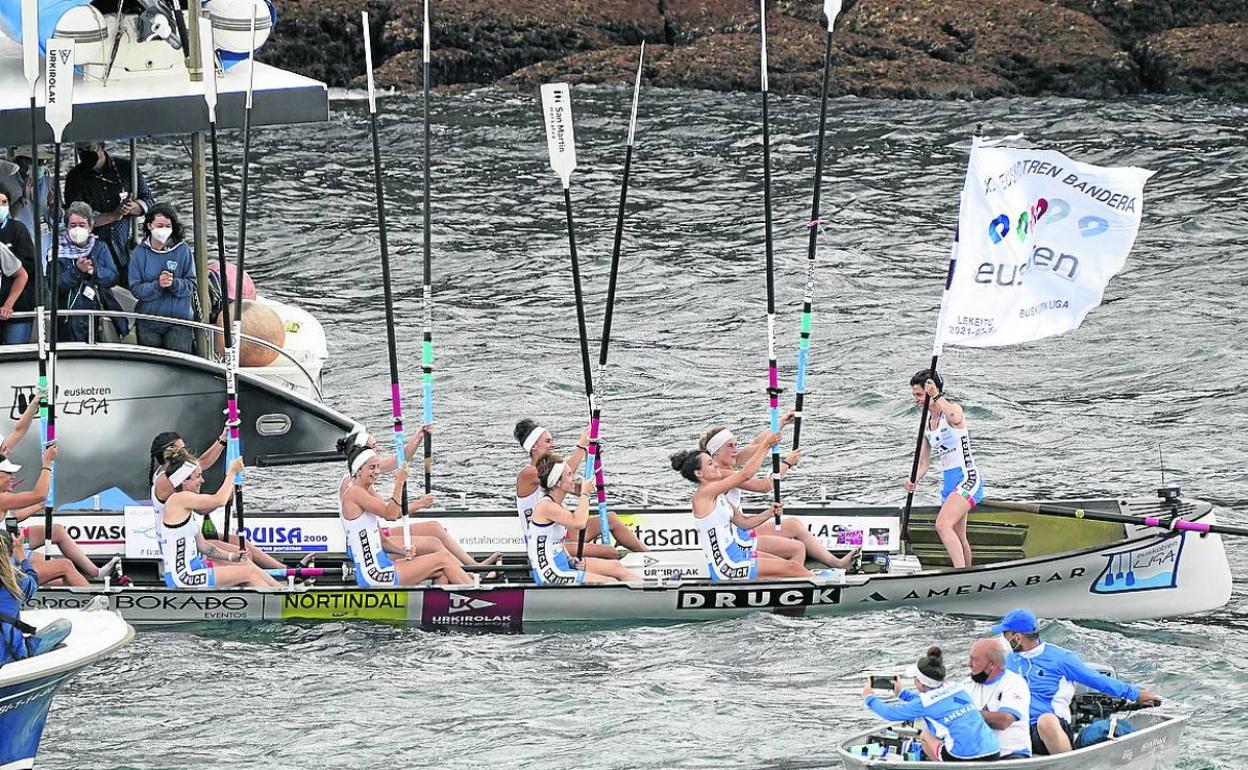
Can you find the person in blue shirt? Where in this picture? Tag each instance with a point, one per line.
(18, 584)
(87, 273)
(162, 279)
(1052, 673)
(953, 729)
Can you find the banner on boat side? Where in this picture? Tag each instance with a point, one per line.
(356, 604)
(500, 609)
(756, 597)
(1039, 237)
(1150, 568)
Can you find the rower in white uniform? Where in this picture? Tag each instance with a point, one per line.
(362, 510)
(790, 540)
(537, 441)
(182, 546)
(950, 442)
(717, 520)
(549, 560)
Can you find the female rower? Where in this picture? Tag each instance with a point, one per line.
(182, 545)
(162, 490)
(426, 536)
(716, 519)
(18, 585)
(549, 560)
(721, 445)
(963, 486)
(536, 441)
(953, 729)
(361, 509)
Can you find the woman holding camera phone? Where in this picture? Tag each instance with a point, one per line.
(162, 279)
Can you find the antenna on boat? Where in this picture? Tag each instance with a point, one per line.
(1161, 465)
(936, 350)
(561, 143)
(594, 456)
(773, 375)
(207, 53)
(235, 434)
(396, 401)
(58, 111)
(831, 8)
(426, 349)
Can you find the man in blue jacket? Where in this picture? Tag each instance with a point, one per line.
(1052, 673)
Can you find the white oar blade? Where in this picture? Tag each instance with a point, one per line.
(251, 59)
(831, 9)
(30, 42)
(208, 61)
(368, 63)
(762, 28)
(58, 79)
(557, 109)
(426, 30)
(632, 121)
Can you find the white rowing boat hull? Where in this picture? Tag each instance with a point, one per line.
(1173, 574)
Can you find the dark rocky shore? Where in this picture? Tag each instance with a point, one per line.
(922, 49)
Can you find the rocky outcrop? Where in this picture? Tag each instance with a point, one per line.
(882, 48)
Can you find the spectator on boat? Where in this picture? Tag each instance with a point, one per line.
(948, 439)
(162, 490)
(791, 539)
(87, 273)
(717, 521)
(17, 275)
(537, 441)
(1052, 673)
(362, 509)
(953, 729)
(549, 560)
(103, 182)
(1002, 697)
(19, 184)
(18, 585)
(162, 279)
(426, 536)
(184, 548)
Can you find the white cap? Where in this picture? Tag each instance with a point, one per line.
(8, 466)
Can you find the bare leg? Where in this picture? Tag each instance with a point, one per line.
(442, 567)
(966, 543)
(592, 550)
(608, 571)
(619, 530)
(242, 574)
(69, 548)
(783, 547)
(1051, 732)
(792, 527)
(258, 556)
(781, 568)
(436, 530)
(49, 570)
(952, 514)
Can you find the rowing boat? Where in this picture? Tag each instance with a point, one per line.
(1075, 569)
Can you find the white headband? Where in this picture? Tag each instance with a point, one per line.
(358, 461)
(531, 440)
(926, 680)
(556, 473)
(718, 440)
(182, 474)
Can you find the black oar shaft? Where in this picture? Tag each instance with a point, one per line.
(773, 374)
(1170, 523)
(581, 330)
(50, 502)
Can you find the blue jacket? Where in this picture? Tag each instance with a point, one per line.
(13, 645)
(81, 291)
(1052, 672)
(146, 265)
(950, 715)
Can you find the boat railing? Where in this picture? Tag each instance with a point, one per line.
(199, 327)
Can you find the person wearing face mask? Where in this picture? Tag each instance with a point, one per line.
(1052, 673)
(87, 273)
(17, 272)
(17, 182)
(103, 182)
(162, 279)
(1003, 698)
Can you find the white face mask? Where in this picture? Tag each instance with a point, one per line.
(4, 213)
(79, 235)
(162, 233)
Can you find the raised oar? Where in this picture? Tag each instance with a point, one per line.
(240, 266)
(594, 456)
(58, 111)
(396, 401)
(773, 374)
(1174, 525)
(208, 65)
(426, 345)
(561, 142)
(831, 8)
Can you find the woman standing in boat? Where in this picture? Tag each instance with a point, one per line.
(549, 560)
(717, 520)
(791, 539)
(361, 510)
(536, 441)
(950, 442)
(182, 546)
(426, 536)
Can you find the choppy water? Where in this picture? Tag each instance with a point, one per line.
(1162, 364)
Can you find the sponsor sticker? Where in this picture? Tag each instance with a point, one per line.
(1152, 568)
(286, 539)
(494, 610)
(756, 598)
(362, 603)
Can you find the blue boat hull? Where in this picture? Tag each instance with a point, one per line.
(23, 713)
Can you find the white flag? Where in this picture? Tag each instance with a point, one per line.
(1040, 235)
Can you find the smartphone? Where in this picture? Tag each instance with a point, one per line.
(882, 682)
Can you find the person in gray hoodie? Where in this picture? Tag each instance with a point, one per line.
(162, 279)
